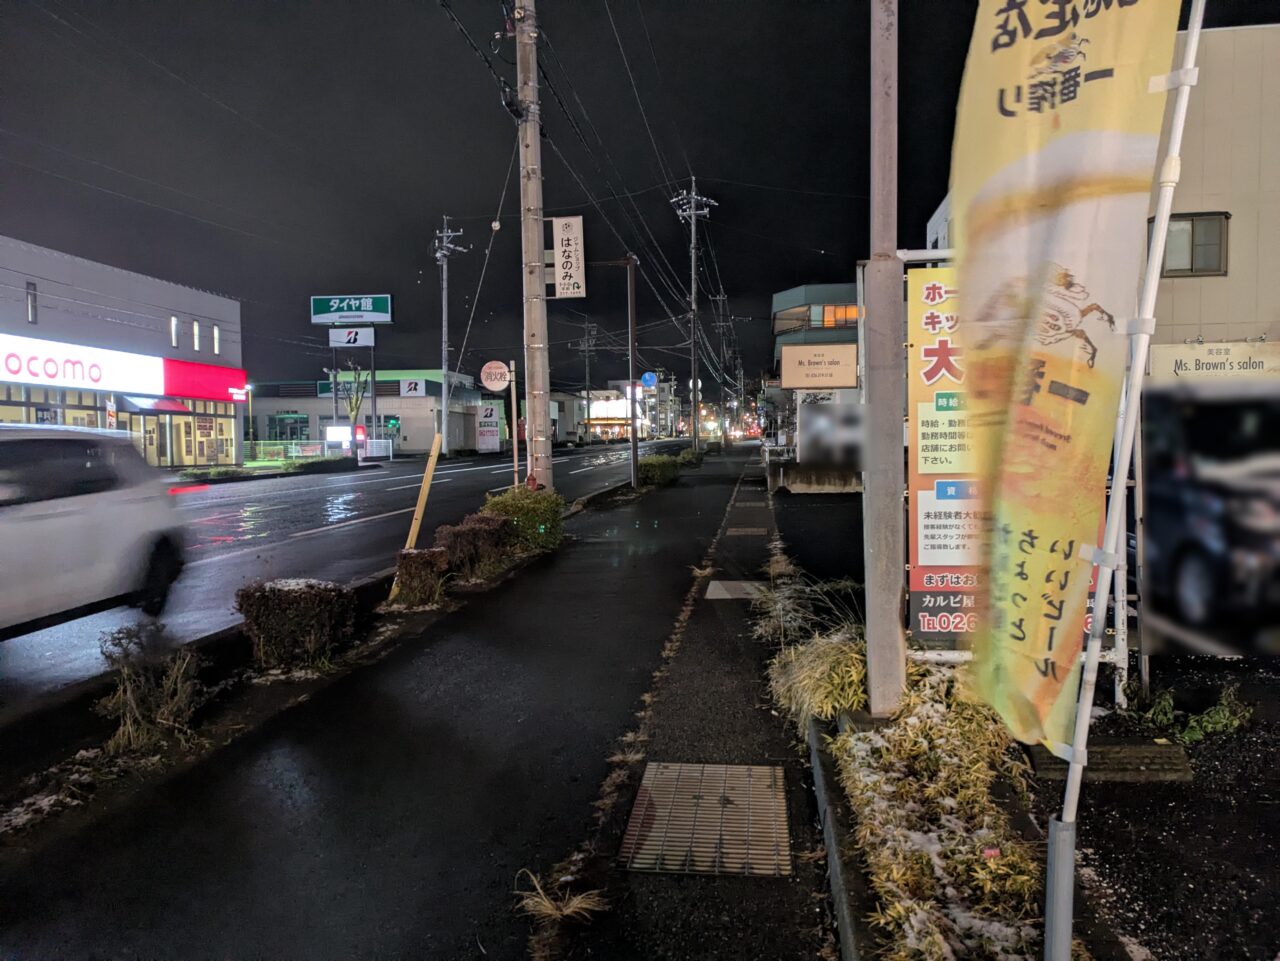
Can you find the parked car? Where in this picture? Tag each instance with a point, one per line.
(84, 523)
(1213, 502)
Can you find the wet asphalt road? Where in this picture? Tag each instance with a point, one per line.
(336, 527)
(388, 816)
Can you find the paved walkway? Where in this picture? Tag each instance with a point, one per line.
(388, 816)
(713, 707)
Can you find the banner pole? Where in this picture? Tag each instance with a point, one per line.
(1061, 867)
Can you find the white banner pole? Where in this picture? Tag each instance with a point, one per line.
(1061, 868)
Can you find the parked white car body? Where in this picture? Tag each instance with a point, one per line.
(83, 521)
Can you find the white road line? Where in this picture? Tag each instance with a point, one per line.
(593, 467)
(358, 520)
(434, 481)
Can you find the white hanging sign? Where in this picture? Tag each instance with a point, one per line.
(569, 263)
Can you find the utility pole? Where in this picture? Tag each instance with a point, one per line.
(585, 347)
(537, 389)
(883, 333)
(691, 207)
(444, 246)
(632, 260)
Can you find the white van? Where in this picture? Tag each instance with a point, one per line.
(84, 523)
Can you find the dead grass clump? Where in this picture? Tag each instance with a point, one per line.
(157, 691)
(823, 677)
(556, 905)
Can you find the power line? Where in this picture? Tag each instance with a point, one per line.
(789, 190)
(662, 167)
(653, 55)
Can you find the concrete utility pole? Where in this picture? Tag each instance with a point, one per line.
(885, 389)
(537, 390)
(691, 207)
(632, 260)
(444, 246)
(585, 347)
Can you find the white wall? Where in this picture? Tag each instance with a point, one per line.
(83, 302)
(1231, 162)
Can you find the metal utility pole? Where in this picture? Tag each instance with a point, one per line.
(691, 207)
(537, 389)
(444, 246)
(632, 260)
(333, 384)
(885, 389)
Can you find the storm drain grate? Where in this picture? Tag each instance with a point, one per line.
(709, 819)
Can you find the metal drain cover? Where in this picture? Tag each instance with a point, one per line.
(709, 819)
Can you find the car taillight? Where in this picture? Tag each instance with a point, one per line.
(180, 489)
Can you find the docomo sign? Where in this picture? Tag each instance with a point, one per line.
(47, 363)
(495, 376)
(26, 360)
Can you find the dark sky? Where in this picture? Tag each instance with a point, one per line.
(271, 149)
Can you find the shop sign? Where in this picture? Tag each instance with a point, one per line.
(1179, 363)
(351, 336)
(111, 413)
(204, 425)
(944, 510)
(488, 429)
(350, 310)
(819, 366)
(412, 388)
(569, 266)
(47, 363)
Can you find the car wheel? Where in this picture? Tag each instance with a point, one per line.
(1194, 589)
(162, 571)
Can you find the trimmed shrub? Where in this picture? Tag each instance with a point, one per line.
(714, 447)
(420, 576)
(156, 692)
(296, 622)
(537, 517)
(658, 470)
(322, 465)
(213, 473)
(690, 458)
(478, 545)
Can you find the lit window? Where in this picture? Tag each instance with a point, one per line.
(32, 316)
(195, 335)
(217, 340)
(1196, 245)
(173, 331)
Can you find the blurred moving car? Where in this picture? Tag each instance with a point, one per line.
(84, 523)
(1213, 502)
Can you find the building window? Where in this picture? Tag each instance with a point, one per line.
(173, 331)
(195, 335)
(1196, 245)
(217, 340)
(32, 307)
(838, 315)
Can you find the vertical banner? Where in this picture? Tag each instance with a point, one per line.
(945, 518)
(570, 266)
(1056, 140)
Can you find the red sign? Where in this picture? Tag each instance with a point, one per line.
(185, 378)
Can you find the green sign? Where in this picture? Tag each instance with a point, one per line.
(948, 400)
(348, 310)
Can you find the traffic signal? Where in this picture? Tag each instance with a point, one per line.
(360, 433)
(393, 423)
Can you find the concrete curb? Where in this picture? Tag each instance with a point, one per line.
(581, 504)
(832, 817)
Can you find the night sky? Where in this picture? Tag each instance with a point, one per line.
(272, 149)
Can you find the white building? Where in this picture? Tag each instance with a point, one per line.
(85, 344)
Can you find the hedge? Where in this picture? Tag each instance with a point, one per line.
(213, 473)
(690, 458)
(322, 465)
(296, 622)
(477, 545)
(658, 470)
(420, 576)
(537, 516)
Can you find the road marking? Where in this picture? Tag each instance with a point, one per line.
(581, 469)
(745, 531)
(434, 480)
(358, 520)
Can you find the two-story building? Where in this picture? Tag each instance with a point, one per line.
(90, 345)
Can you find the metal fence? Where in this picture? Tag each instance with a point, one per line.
(256, 451)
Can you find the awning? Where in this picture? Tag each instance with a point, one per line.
(154, 405)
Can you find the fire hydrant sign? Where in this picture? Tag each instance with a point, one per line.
(569, 263)
(945, 511)
(819, 366)
(495, 376)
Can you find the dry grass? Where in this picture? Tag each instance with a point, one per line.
(705, 571)
(157, 691)
(556, 905)
(823, 677)
(630, 756)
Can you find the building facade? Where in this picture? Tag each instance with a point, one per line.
(89, 345)
(408, 403)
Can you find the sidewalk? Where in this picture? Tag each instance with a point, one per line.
(388, 816)
(712, 707)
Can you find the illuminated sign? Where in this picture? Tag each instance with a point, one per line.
(48, 363)
(817, 366)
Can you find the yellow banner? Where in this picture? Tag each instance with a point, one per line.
(1055, 149)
